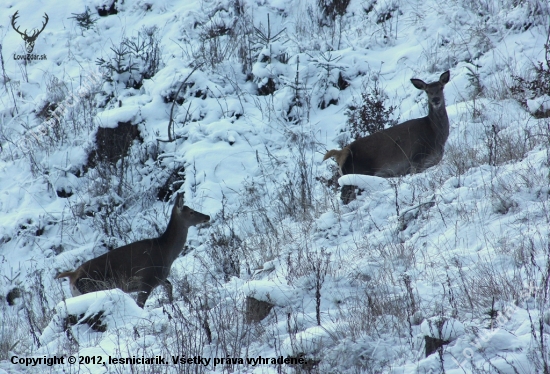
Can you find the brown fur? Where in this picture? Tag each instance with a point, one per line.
(339, 155)
(139, 266)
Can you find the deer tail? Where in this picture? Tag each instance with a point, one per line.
(332, 153)
(69, 274)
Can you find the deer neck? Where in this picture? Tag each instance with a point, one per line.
(173, 240)
(439, 121)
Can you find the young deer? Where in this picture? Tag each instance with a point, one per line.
(140, 266)
(407, 148)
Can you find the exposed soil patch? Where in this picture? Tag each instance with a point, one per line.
(113, 143)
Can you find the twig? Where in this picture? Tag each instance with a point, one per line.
(171, 121)
(6, 79)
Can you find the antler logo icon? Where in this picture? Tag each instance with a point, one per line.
(29, 39)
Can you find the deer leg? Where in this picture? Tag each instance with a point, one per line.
(142, 296)
(168, 288)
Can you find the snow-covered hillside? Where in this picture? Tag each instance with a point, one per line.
(234, 103)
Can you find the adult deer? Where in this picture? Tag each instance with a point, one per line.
(407, 148)
(140, 266)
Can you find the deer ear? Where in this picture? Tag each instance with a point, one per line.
(419, 83)
(444, 78)
(179, 200)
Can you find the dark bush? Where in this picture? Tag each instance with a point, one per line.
(371, 115)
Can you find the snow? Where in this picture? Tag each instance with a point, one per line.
(115, 307)
(366, 182)
(309, 341)
(442, 328)
(111, 118)
(458, 252)
(541, 103)
(271, 292)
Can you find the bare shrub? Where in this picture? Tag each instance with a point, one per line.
(538, 85)
(370, 114)
(488, 282)
(224, 249)
(386, 15)
(189, 332)
(85, 20)
(333, 8)
(507, 144)
(320, 264)
(461, 155)
(373, 310)
(218, 41)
